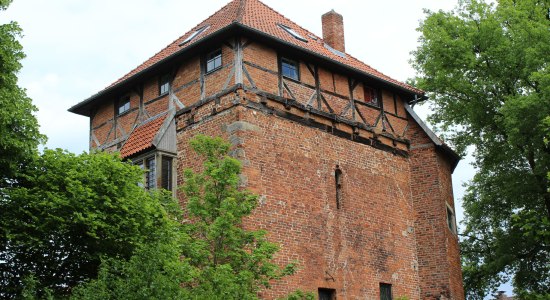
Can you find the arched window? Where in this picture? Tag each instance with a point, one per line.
(338, 181)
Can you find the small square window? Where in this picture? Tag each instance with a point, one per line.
(289, 69)
(164, 84)
(371, 95)
(385, 291)
(327, 294)
(123, 105)
(213, 61)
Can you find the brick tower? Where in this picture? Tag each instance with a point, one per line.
(352, 184)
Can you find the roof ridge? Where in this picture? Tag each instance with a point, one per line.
(240, 12)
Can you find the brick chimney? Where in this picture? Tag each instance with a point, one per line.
(333, 30)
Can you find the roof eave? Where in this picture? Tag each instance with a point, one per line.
(82, 108)
(335, 62)
(439, 144)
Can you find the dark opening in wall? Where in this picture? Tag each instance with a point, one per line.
(327, 294)
(338, 179)
(385, 291)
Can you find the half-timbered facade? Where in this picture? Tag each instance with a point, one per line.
(352, 183)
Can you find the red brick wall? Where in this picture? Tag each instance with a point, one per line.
(333, 30)
(437, 246)
(292, 168)
(392, 225)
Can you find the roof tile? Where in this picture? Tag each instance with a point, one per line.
(256, 15)
(142, 137)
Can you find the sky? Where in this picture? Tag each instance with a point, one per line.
(75, 48)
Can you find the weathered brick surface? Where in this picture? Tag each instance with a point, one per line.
(391, 227)
(351, 249)
(333, 30)
(437, 246)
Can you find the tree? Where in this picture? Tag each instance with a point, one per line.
(487, 70)
(232, 262)
(66, 213)
(213, 257)
(19, 135)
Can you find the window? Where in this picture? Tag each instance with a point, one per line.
(166, 170)
(289, 69)
(213, 61)
(451, 219)
(371, 95)
(123, 105)
(339, 53)
(151, 173)
(164, 84)
(327, 294)
(385, 291)
(338, 179)
(150, 164)
(193, 35)
(292, 32)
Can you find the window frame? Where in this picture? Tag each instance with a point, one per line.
(385, 287)
(292, 32)
(210, 58)
(374, 101)
(158, 172)
(124, 104)
(149, 171)
(170, 175)
(290, 62)
(194, 34)
(164, 81)
(451, 218)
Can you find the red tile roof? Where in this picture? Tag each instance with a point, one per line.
(142, 137)
(258, 16)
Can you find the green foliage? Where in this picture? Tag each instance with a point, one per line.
(67, 212)
(19, 135)
(232, 262)
(155, 271)
(487, 70)
(299, 295)
(209, 256)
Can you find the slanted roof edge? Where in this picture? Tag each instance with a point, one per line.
(455, 158)
(309, 52)
(76, 108)
(162, 130)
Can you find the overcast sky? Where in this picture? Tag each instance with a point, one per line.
(76, 48)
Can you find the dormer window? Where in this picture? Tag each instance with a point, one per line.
(123, 105)
(164, 84)
(213, 60)
(289, 69)
(339, 53)
(292, 32)
(194, 34)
